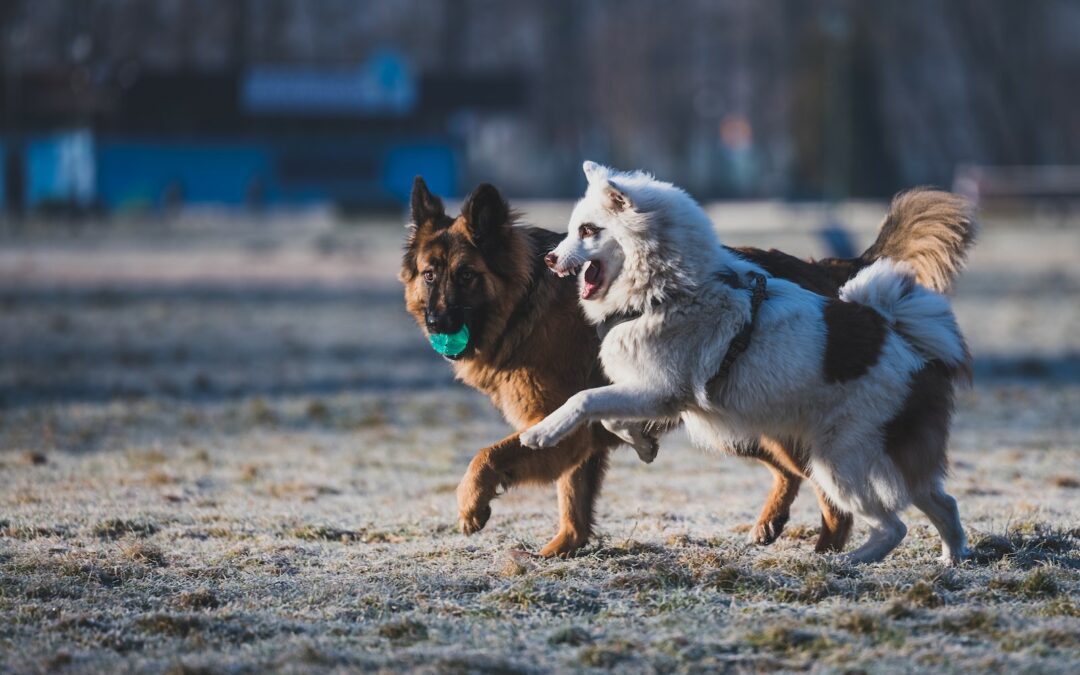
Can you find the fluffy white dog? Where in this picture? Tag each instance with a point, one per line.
(863, 384)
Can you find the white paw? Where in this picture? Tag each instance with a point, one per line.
(542, 435)
(952, 558)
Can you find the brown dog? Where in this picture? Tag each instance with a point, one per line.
(530, 348)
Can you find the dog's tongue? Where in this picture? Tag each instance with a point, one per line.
(594, 277)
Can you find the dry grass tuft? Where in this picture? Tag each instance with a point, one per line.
(165, 623)
(573, 636)
(406, 631)
(786, 638)
(114, 528)
(201, 598)
(923, 594)
(607, 655)
(145, 554)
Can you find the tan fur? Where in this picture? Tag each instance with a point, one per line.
(930, 229)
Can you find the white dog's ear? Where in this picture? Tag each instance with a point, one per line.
(594, 172)
(615, 199)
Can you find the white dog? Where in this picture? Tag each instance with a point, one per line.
(863, 384)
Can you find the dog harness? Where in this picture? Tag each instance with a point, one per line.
(758, 292)
(739, 343)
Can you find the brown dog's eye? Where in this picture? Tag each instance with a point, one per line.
(586, 230)
(429, 276)
(466, 275)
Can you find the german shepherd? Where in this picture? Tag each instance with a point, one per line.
(530, 347)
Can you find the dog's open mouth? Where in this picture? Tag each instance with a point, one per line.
(593, 279)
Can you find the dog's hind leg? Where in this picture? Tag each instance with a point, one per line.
(886, 533)
(578, 489)
(787, 461)
(941, 509)
(777, 509)
(871, 490)
(835, 525)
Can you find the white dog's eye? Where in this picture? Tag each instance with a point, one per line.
(586, 230)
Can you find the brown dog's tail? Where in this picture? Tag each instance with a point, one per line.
(932, 231)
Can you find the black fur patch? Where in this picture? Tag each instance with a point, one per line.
(916, 438)
(824, 277)
(854, 336)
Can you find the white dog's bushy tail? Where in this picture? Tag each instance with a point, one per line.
(924, 318)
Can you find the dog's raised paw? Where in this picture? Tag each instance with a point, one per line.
(530, 439)
(538, 437)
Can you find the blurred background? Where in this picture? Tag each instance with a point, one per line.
(114, 106)
(204, 198)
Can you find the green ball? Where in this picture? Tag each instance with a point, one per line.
(450, 344)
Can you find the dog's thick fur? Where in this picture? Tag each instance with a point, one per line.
(531, 349)
(862, 385)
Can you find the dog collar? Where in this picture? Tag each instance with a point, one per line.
(758, 293)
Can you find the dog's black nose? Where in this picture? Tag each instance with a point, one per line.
(443, 322)
(551, 260)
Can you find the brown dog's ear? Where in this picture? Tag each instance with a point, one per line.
(426, 211)
(486, 213)
(424, 206)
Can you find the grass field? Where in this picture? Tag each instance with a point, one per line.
(225, 447)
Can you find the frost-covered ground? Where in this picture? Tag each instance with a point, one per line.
(224, 446)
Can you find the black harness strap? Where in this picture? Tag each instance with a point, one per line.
(758, 292)
(738, 345)
(606, 326)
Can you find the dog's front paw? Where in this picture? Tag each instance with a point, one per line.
(474, 506)
(473, 520)
(766, 532)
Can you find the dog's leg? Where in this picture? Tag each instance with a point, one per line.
(941, 509)
(578, 489)
(777, 509)
(886, 533)
(787, 464)
(851, 479)
(835, 525)
(509, 463)
(610, 402)
(788, 470)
